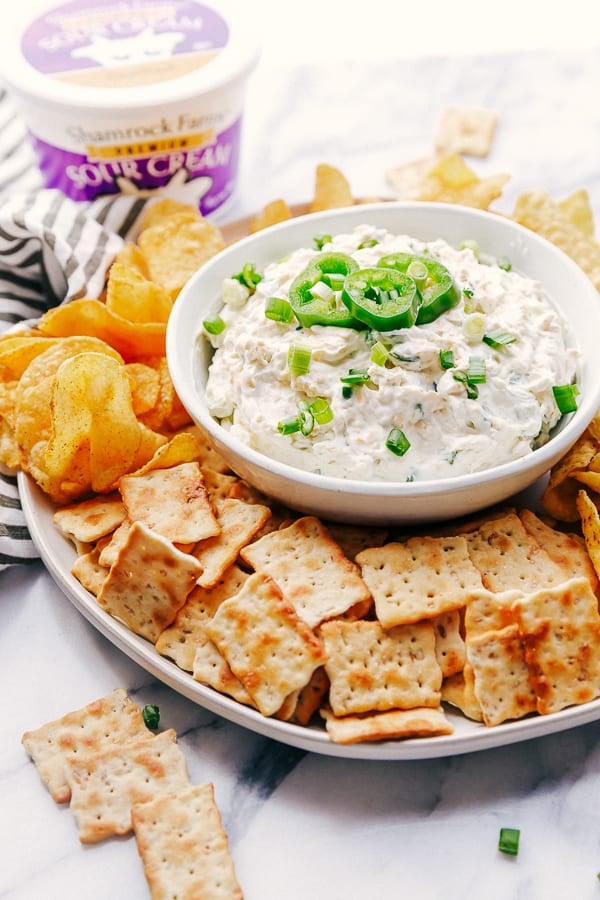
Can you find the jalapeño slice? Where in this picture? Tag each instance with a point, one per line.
(313, 307)
(384, 299)
(438, 291)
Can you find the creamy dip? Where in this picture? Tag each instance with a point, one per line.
(450, 431)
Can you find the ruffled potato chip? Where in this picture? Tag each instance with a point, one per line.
(579, 209)
(131, 294)
(332, 189)
(133, 340)
(274, 212)
(560, 496)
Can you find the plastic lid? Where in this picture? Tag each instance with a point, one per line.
(124, 53)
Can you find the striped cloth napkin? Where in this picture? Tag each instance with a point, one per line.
(52, 250)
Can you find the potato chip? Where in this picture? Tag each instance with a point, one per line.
(560, 496)
(274, 212)
(134, 297)
(451, 181)
(91, 415)
(18, 351)
(579, 209)
(590, 525)
(331, 189)
(92, 317)
(454, 172)
(181, 448)
(405, 179)
(156, 211)
(144, 382)
(536, 210)
(176, 247)
(466, 130)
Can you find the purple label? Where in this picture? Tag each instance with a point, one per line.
(85, 35)
(204, 176)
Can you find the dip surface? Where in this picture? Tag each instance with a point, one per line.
(451, 432)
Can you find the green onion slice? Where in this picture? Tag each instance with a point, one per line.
(306, 419)
(476, 371)
(214, 326)
(503, 262)
(347, 391)
(289, 426)
(321, 239)
(498, 339)
(565, 396)
(356, 377)
(509, 840)
(151, 715)
(366, 244)
(298, 359)
(321, 411)
(447, 359)
(397, 442)
(418, 272)
(379, 354)
(279, 310)
(471, 389)
(248, 276)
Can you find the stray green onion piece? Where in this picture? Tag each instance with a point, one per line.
(498, 339)
(366, 244)
(509, 840)
(346, 391)
(471, 389)
(471, 245)
(306, 419)
(504, 262)
(318, 411)
(447, 359)
(298, 359)
(321, 239)
(397, 442)
(151, 716)
(565, 396)
(279, 310)
(214, 326)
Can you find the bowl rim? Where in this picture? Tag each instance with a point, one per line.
(539, 459)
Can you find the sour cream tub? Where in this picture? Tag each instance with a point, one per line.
(132, 96)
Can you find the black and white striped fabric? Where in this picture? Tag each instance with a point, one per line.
(52, 250)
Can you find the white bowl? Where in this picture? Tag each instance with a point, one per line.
(389, 502)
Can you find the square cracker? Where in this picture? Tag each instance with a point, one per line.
(104, 786)
(107, 721)
(560, 629)
(89, 573)
(266, 644)
(91, 519)
(310, 568)
(567, 550)
(397, 723)
(502, 685)
(238, 523)
(487, 611)
(510, 558)
(466, 130)
(210, 667)
(148, 582)
(459, 691)
(371, 669)
(173, 502)
(449, 643)
(180, 639)
(184, 847)
(419, 578)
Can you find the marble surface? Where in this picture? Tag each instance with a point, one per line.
(300, 825)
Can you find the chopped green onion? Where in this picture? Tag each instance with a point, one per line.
(306, 419)
(379, 354)
(322, 290)
(469, 303)
(347, 391)
(470, 245)
(418, 272)
(151, 715)
(366, 244)
(321, 411)
(468, 291)
(279, 310)
(289, 426)
(509, 840)
(214, 326)
(474, 326)
(356, 376)
(476, 371)
(447, 359)
(248, 276)
(471, 389)
(503, 262)
(321, 239)
(298, 359)
(565, 396)
(498, 339)
(335, 280)
(397, 442)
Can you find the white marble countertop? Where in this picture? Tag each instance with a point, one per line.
(300, 825)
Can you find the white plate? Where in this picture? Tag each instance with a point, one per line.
(58, 555)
